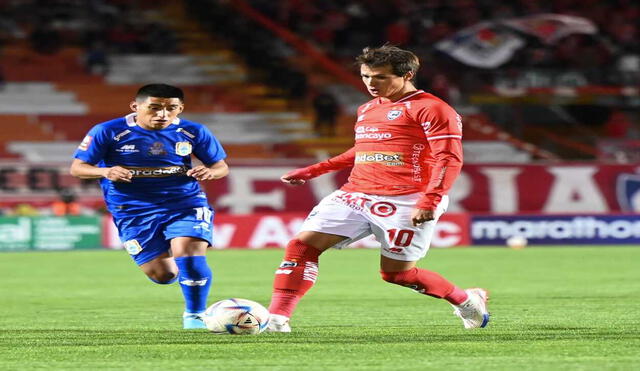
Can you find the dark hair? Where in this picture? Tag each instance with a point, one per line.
(159, 91)
(400, 60)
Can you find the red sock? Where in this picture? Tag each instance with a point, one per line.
(295, 276)
(428, 283)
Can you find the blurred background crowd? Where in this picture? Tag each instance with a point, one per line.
(536, 81)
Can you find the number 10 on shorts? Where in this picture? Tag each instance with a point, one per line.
(400, 238)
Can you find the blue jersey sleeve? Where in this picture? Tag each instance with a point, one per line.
(94, 146)
(208, 149)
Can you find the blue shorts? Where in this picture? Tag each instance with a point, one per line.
(145, 237)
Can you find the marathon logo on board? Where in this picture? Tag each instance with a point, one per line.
(557, 230)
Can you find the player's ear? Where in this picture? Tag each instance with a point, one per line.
(409, 76)
(134, 106)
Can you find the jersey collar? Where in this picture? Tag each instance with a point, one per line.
(131, 120)
(402, 99)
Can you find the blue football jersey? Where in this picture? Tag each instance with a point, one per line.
(158, 160)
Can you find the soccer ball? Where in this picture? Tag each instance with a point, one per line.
(517, 242)
(237, 317)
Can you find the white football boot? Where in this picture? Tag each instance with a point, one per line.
(278, 323)
(192, 321)
(473, 311)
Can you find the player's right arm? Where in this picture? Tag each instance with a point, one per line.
(300, 176)
(85, 170)
(90, 152)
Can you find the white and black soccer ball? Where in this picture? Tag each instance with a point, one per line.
(237, 317)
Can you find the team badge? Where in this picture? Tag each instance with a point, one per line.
(157, 149)
(393, 114)
(133, 247)
(628, 192)
(183, 148)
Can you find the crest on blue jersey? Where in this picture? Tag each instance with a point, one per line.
(183, 148)
(157, 149)
(393, 114)
(628, 192)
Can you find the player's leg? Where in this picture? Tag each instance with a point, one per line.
(161, 270)
(296, 275)
(404, 244)
(329, 224)
(194, 277)
(190, 232)
(143, 239)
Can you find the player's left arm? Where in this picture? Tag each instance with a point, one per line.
(214, 171)
(444, 137)
(208, 149)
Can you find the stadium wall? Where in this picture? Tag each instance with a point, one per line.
(556, 188)
(268, 230)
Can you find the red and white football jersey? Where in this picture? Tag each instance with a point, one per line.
(399, 144)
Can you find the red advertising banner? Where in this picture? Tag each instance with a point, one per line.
(254, 231)
(481, 188)
(490, 188)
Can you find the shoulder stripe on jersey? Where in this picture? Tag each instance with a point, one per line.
(188, 134)
(444, 136)
(409, 96)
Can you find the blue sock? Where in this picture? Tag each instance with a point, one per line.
(195, 280)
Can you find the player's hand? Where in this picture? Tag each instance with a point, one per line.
(202, 172)
(118, 174)
(419, 216)
(296, 177)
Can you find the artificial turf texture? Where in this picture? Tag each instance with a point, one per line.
(552, 309)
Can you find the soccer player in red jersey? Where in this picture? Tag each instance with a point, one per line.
(406, 157)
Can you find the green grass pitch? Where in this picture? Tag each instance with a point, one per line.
(552, 309)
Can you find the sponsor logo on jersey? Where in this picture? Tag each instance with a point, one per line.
(369, 132)
(129, 148)
(157, 149)
(121, 134)
(133, 247)
(157, 172)
(86, 142)
(385, 158)
(426, 126)
(394, 114)
(459, 121)
(183, 148)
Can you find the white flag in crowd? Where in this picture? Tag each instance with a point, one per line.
(552, 27)
(484, 45)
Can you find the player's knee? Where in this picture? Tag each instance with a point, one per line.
(402, 278)
(163, 278)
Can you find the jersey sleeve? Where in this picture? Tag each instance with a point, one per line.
(440, 121)
(208, 149)
(443, 130)
(93, 147)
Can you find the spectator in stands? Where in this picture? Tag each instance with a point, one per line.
(326, 110)
(25, 209)
(96, 59)
(66, 204)
(45, 39)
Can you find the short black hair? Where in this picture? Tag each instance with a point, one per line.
(400, 60)
(159, 91)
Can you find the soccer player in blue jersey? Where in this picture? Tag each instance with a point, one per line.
(143, 161)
